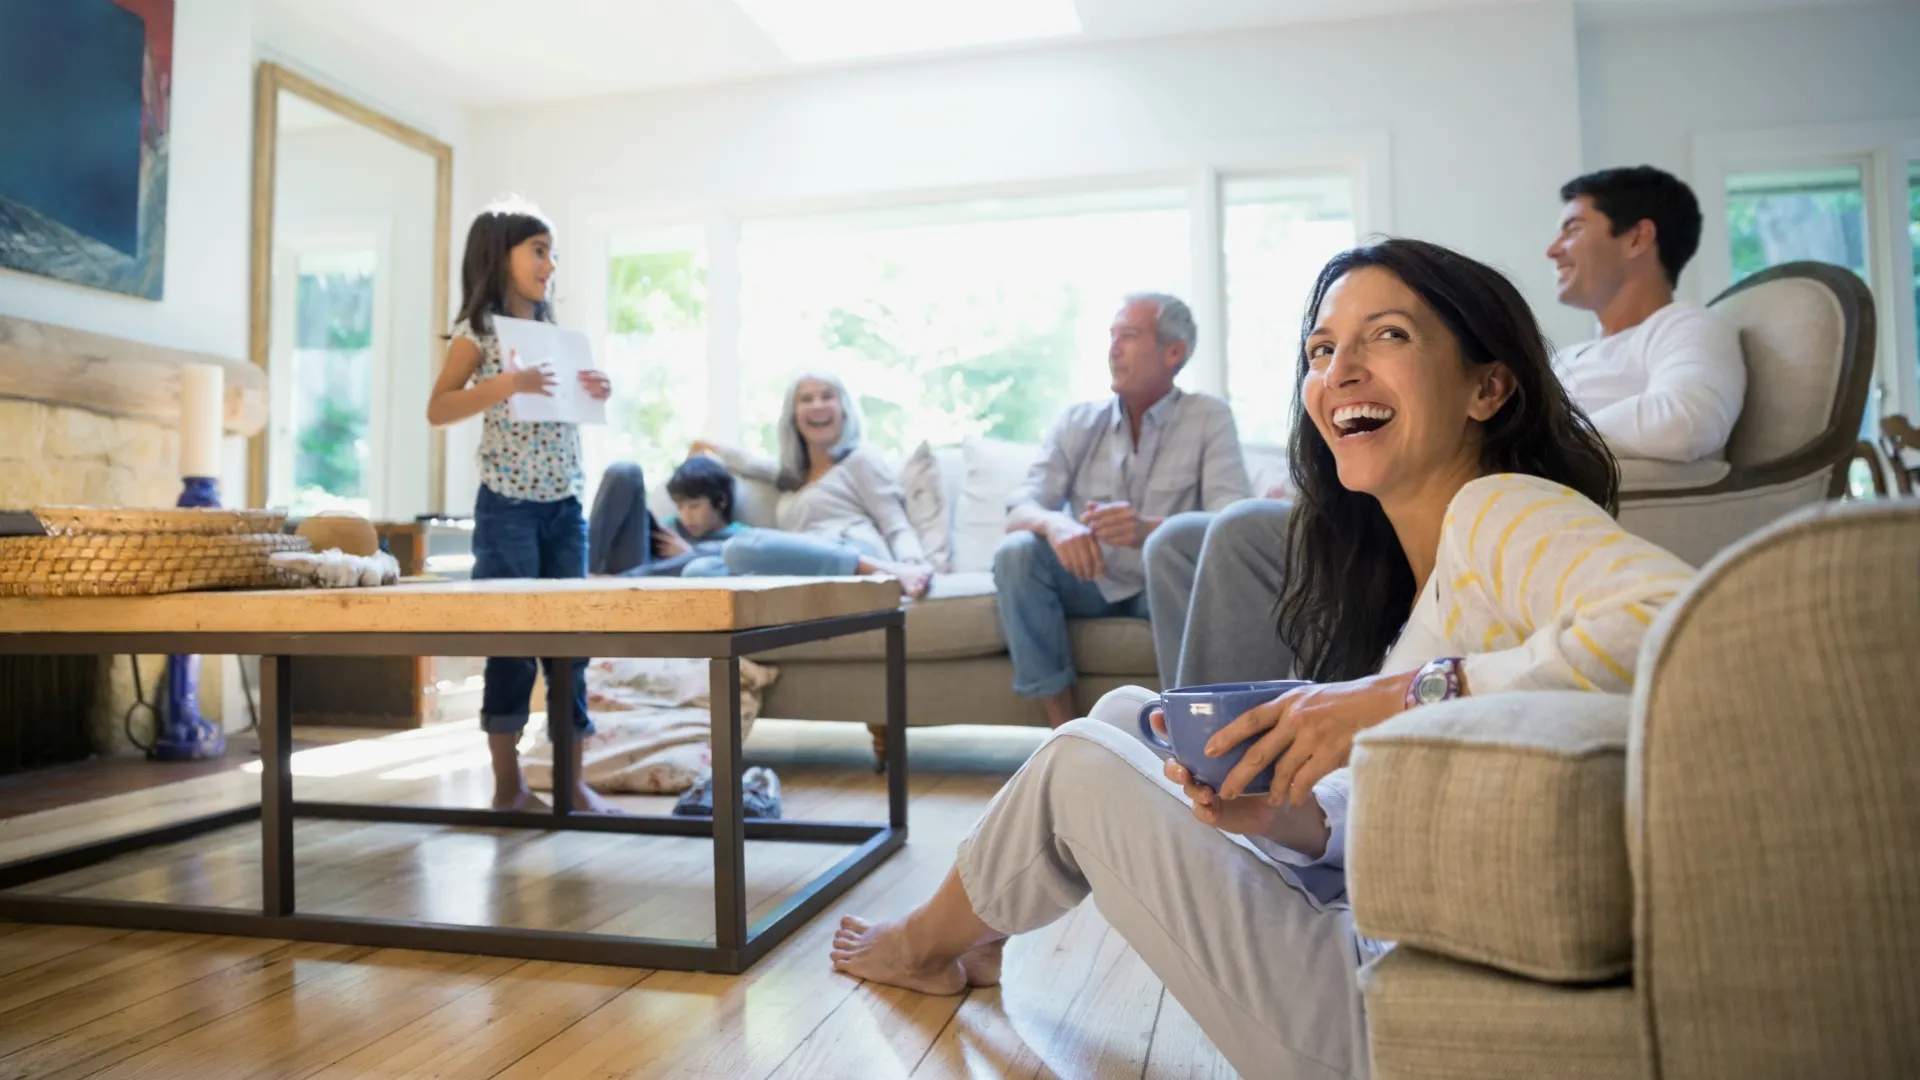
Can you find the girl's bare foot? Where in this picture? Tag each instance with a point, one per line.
(518, 799)
(588, 801)
(982, 965)
(879, 952)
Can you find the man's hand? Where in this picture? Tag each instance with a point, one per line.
(1076, 547)
(1117, 524)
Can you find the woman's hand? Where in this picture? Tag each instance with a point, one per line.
(1249, 815)
(1308, 732)
(597, 385)
(702, 446)
(667, 545)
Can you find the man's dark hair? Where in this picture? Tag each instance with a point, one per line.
(1629, 196)
(703, 477)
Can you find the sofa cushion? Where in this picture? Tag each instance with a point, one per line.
(958, 618)
(1492, 829)
(1429, 1018)
(926, 496)
(1112, 646)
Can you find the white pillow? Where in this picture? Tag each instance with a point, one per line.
(927, 506)
(1266, 470)
(993, 470)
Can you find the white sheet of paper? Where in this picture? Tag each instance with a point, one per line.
(564, 352)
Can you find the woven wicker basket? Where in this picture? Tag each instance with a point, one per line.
(82, 520)
(142, 564)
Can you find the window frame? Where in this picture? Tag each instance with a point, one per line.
(1202, 172)
(1882, 151)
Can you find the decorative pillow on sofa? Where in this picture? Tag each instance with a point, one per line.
(927, 505)
(994, 469)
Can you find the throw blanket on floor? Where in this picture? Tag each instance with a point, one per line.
(653, 726)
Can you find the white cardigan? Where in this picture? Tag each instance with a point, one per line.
(858, 500)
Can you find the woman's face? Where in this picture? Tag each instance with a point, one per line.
(1389, 390)
(817, 413)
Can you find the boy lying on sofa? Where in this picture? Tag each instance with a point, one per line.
(624, 540)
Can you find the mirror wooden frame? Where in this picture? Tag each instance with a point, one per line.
(269, 81)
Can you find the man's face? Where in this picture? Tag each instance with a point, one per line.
(1593, 263)
(1140, 365)
(698, 515)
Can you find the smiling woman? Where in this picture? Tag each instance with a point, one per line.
(1448, 487)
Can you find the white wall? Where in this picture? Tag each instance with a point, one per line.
(1480, 109)
(1648, 87)
(204, 302)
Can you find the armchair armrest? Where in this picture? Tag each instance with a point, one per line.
(1638, 475)
(1492, 829)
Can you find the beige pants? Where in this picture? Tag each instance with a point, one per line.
(1265, 969)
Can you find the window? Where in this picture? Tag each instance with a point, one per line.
(982, 318)
(1277, 234)
(655, 353)
(1777, 217)
(1913, 248)
(1808, 213)
(333, 375)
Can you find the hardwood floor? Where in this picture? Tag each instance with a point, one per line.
(79, 1002)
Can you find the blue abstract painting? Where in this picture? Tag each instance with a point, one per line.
(83, 141)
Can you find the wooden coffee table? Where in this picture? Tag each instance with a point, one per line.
(719, 619)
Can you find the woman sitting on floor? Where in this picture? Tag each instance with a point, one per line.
(841, 509)
(1453, 518)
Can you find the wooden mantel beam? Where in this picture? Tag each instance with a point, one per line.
(58, 365)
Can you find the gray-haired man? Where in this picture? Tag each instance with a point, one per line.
(1108, 474)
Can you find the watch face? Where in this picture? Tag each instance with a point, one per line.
(1432, 688)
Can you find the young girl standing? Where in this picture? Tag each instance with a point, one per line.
(526, 517)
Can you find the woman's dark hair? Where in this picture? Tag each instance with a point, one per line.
(1349, 588)
(702, 477)
(485, 269)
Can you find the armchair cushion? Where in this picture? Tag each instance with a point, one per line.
(1641, 474)
(1436, 1019)
(1492, 829)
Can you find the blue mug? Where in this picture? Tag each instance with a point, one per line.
(1194, 713)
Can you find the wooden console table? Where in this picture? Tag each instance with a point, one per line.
(721, 619)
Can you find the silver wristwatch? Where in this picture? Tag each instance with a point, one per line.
(1439, 680)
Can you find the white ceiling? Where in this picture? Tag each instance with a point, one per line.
(505, 52)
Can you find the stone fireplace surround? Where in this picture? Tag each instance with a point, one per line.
(87, 419)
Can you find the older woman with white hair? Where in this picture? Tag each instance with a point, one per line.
(841, 510)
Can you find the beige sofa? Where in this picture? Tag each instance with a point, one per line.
(1717, 878)
(958, 671)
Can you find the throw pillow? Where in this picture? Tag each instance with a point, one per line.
(927, 506)
(994, 469)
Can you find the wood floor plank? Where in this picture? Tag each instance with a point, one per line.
(317, 1022)
(1108, 1026)
(878, 1031)
(483, 1032)
(104, 960)
(107, 1040)
(1181, 1051)
(37, 945)
(164, 972)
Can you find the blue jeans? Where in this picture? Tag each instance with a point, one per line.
(772, 553)
(516, 538)
(1036, 597)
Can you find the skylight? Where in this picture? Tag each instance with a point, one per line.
(816, 30)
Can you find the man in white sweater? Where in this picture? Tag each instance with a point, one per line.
(1664, 381)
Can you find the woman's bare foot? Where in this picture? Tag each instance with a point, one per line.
(915, 579)
(879, 952)
(520, 799)
(982, 965)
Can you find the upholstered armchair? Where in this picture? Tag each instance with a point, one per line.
(1807, 330)
(1717, 878)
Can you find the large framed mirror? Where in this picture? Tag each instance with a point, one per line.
(351, 241)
